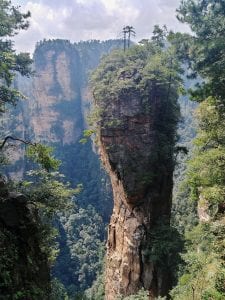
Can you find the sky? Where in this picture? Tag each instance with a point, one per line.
(77, 20)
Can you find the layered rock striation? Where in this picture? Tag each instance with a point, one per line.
(142, 189)
(58, 101)
(54, 113)
(136, 135)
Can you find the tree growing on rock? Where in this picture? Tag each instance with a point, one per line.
(128, 31)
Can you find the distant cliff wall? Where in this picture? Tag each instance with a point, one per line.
(58, 100)
(55, 110)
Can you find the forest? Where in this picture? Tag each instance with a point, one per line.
(112, 157)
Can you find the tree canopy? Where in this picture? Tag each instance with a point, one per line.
(11, 22)
(206, 46)
(203, 275)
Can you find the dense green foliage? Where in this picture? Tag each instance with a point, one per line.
(82, 248)
(203, 275)
(162, 248)
(58, 291)
(147, 72)
(15, 266)
(47, 188)
(205, 178)
(205, 50)
(48, 195)
(12, 20)
(97, 290)
(141, 295)
(140, 67)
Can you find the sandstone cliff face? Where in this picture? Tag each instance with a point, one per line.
(58, 101)
(55, 113)
(141, 175)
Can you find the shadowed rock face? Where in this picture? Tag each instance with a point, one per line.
(23, 265)
(141, 175)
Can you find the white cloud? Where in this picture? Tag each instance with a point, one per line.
(93, 19)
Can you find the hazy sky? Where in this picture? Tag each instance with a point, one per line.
(94, 19)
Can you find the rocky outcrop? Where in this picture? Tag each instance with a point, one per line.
(24, 270)
(132, 147)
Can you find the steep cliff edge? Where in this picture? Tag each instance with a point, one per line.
(136, 123)
(142, 188)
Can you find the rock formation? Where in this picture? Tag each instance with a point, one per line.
(136, 136)
(142, 189)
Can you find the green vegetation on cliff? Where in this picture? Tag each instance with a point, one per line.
(149, 72)
(141, 67)
(135, 116)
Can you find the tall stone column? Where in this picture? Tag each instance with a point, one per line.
(131, 141)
